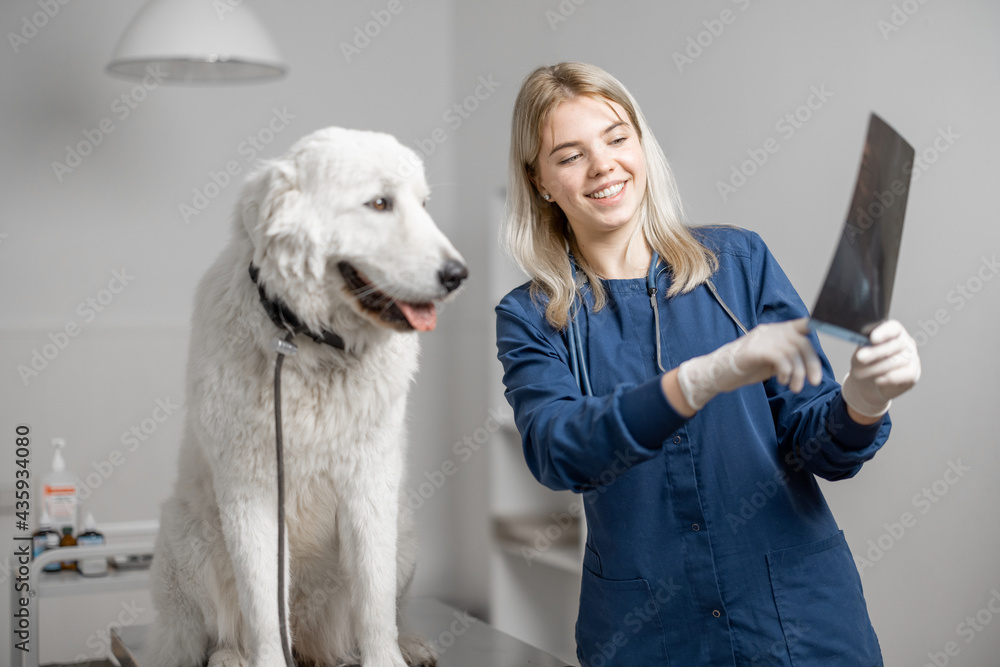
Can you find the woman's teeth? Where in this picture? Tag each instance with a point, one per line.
(608, 192)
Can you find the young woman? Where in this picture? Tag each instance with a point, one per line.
(695, 443)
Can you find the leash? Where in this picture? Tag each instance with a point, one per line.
(283, 317)
(282, 347)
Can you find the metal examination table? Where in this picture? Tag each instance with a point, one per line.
(461, 640)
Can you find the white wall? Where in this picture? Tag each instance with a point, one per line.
(60, 241)
(119, 209)
(939, 70)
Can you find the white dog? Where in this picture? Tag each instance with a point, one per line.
(341, 250)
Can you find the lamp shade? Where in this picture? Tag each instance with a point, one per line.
(191, 41)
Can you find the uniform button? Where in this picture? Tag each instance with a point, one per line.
(695, 527)
(716, 613)
(677, 439)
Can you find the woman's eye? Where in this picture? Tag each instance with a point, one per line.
(381, 204)
(619, 141)
(570, 159)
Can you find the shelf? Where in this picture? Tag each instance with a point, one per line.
(72, 583)
(69, 582)
(541, 540)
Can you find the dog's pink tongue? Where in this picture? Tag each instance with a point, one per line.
(421, 316)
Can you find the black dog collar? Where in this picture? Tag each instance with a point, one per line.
(284, 318)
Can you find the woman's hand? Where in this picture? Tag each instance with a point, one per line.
(881, 371)
(782, 350)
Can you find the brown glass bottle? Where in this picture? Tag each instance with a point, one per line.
(68, 541)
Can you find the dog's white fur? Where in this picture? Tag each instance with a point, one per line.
(351, 548)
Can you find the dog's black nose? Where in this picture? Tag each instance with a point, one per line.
(452, 274)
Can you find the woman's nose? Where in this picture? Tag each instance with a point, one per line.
(601, 163)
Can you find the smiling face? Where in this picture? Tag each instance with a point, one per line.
(592, 166)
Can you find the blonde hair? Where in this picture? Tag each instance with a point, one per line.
(536, 232)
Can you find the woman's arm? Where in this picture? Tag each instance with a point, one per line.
(573, 441)
(859, 418)
(672, 390)
(816, 428)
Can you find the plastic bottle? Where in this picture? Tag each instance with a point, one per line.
(44, 539)
(59, 491)
(91, 567)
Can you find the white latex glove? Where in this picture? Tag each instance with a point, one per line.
(781, 350)
(881, 371)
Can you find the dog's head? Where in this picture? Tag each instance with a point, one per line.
(341, 234)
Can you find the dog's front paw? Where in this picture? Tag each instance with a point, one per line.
(226, 657)
(417, 651)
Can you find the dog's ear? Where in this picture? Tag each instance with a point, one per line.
(272, 215)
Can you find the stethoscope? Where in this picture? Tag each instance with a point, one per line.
(574, 342)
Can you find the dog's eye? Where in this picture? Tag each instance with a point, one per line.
(381, 204)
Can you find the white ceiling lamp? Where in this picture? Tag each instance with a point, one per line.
(197, 41)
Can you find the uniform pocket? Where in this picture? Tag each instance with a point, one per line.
(820, 602)
(619, 624)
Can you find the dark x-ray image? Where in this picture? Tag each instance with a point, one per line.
(858, 288)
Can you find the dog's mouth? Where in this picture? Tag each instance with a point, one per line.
(401, 315)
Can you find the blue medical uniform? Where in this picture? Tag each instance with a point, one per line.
(710, 542)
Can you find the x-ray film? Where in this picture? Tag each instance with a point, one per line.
(858, 287)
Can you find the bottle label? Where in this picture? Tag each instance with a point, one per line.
(60, 503)
(89, 540)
